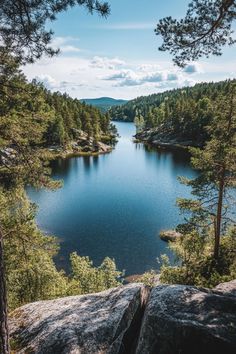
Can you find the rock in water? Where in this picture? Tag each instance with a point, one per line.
(184, 319)
(107, 322)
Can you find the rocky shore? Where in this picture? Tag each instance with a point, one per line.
(82, 146)
(164, 137)
(131, 319)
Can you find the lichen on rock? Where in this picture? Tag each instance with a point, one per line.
(106, 322)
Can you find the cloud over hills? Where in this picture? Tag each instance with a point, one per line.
(83, 74)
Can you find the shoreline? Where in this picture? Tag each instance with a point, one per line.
(163, 145)
(83, 146)
(164, 139)
(73, 153)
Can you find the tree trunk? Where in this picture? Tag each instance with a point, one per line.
(4, 334)
(219, 215)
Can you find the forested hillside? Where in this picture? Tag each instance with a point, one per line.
(37, 125)
(32, 120)
(50, 118)
(183, 112)
(70, 115)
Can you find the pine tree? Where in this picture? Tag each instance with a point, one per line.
(206, 28)
(216, 164)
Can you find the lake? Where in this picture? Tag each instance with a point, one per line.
(116, 204)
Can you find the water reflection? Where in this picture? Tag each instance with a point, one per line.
(116, 204)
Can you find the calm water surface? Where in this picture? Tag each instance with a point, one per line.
(115, 205)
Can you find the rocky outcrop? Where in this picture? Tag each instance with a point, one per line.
(184, 319)
(177, 319)
(227, 288)
(170, 235)
(83, 145)
(7, 156)
(163, 136)
(107, 322)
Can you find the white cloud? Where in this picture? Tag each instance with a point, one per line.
(66, 44)
(122, 74)
(106, 63)
(52, 84)
(69, 49)
(124, 78)
(134, 78)
(98, 76)
(48, 81)
(153, 77)
(149, 67)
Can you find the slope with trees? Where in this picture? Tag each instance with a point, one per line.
(25, 124)
(25, 36)
(32, 119)
(206, 251)
(179, 115)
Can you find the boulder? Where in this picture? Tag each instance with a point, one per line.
(7, 155)
(82, 142)
(87, 148)
(107, 322)
(103, 148)
(184, 319)
(173, 319)
(227, 288)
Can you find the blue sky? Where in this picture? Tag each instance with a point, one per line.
(118, 56)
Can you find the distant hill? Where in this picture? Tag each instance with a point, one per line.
(103, 103)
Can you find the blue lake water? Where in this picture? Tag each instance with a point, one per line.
(116, 204)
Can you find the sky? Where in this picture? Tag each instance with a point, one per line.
(118, 57)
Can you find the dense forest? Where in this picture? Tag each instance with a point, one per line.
(33, 119)
(183, 112)
(37, 120)
(58, 117)
(71, 115)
